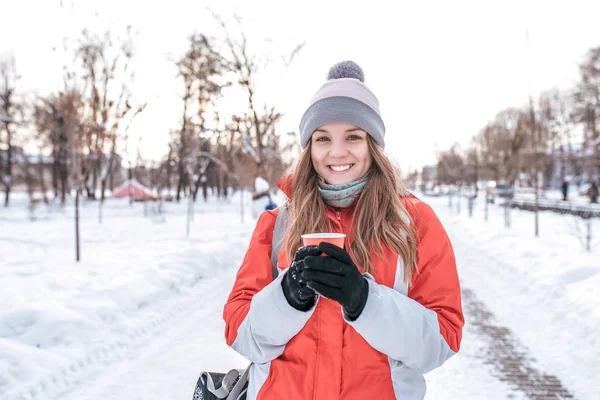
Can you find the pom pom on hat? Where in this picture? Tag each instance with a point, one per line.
(346, 69)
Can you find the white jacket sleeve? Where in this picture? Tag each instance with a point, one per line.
(422, 327)
(402, 329)
(269, 325)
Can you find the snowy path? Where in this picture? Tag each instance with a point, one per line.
(511, 362)
(525, 319)
(167, 366)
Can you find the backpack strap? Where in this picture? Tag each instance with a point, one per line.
(281, 227)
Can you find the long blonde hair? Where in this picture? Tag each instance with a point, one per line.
(379, 216)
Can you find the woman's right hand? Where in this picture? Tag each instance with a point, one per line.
(297, 294)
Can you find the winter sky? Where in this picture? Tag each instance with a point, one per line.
(441, 69)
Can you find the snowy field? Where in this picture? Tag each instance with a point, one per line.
(140, 316)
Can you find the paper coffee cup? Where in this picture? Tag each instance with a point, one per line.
(313, 239)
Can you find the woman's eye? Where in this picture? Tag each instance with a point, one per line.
(354, 137)
(322, 139)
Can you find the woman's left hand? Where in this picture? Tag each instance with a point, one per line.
(336, 277)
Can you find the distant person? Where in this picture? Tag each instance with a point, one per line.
(261, 198)
(593, 192)
(365, 321)
(565, 189)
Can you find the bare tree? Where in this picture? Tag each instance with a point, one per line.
(557, 113)
(46, 129)
(202, 69)
(451, 165)
(487, 144)
(8, 118)
(183, 139)
(513, 131)
(501, 143)
(106, 77)
(58, 120)
(535, 138)
(256, 127)
(587, 106)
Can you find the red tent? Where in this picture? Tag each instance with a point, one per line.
(134, 189)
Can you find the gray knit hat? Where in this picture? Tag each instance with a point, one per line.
(344, 98)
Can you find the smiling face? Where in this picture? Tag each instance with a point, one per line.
(340, 153)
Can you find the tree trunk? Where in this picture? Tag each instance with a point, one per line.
(104, 177)
(86, 175)
(111, 180)
(1, 163)
(219, 188)
(63, 183)
(96, 164)
(536, 137)
(181, 183)
(8, 173)
(42, 181)
(169, 173)
(196, 188)
(563, 164)
(29, 181)
(77, 250)
(225, 185)
(55, 169)
(130, 180)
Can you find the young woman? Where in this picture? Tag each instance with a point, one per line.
(363, 322)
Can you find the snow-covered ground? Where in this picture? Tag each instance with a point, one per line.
(140, 316)
(137, 274)
(544, 289)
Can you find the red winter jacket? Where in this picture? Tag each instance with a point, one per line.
(402, 333)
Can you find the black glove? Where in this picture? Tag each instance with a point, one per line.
(297, 294)
(335, 277)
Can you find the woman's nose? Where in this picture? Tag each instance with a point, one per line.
(338, 150)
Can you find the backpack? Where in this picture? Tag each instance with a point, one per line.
(234, 384)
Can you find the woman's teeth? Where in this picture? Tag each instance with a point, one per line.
(340, 168)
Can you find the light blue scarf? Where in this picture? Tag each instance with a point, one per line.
(342, 195)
